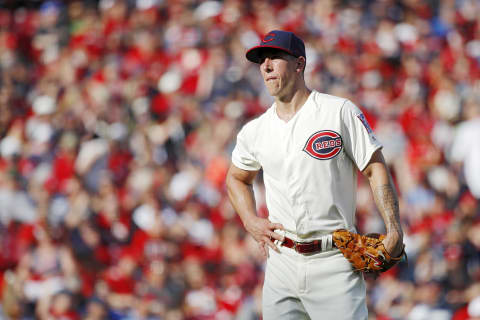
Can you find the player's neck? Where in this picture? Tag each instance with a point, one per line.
(288, 105)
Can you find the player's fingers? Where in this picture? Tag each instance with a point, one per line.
(274, 236)
(278, 226)
(261, 246)
(273, 246)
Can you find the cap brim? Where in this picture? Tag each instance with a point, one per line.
(253, 54)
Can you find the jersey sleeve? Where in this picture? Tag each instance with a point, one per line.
(359, 139)
(243, 155)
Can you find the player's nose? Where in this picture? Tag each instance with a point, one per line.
(267, 65)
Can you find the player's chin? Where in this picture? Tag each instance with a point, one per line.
(273, 90)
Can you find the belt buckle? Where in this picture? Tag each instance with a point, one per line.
(296, 247)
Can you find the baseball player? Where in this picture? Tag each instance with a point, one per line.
(309, 145)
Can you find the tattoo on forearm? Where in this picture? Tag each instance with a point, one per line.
(387, 203)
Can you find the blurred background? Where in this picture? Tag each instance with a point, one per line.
(118, 118)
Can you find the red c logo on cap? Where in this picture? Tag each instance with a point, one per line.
(269, 37)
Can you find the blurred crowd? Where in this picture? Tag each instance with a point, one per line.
(118, 118)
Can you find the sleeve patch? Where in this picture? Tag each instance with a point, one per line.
(362, 118)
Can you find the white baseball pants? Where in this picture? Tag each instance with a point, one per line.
(316, 286)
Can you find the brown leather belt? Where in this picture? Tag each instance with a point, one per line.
(303, 247)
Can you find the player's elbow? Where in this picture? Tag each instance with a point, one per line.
(376, 166)
(232, 180)
(234, 184)
(229, 180)
(237, 176)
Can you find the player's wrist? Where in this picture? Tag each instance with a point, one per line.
(395, 231)
(250, 222)
(394, 243)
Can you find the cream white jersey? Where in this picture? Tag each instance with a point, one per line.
(309, 163)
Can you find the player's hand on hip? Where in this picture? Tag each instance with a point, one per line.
(262, 230)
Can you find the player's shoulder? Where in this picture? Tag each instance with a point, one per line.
(335, 103)
(329, 98)
(330, 102)
(257, 123)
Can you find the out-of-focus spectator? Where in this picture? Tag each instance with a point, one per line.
(59, 306)
(119, 285)
(466, 145)
(95, 309)
(44, 271)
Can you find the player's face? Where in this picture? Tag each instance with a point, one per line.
(278, 71)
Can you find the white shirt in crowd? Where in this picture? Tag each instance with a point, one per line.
(466, 149)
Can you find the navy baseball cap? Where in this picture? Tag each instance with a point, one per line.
(277, 39)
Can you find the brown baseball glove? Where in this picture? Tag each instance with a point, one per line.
(365, 252)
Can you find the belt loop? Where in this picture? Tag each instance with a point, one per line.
(329, 241)
(278, 242)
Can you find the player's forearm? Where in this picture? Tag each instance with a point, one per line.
(387, 203)
(242, 198)
(384, 194)
(240, 192)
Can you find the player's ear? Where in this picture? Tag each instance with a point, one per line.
(301, 62)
